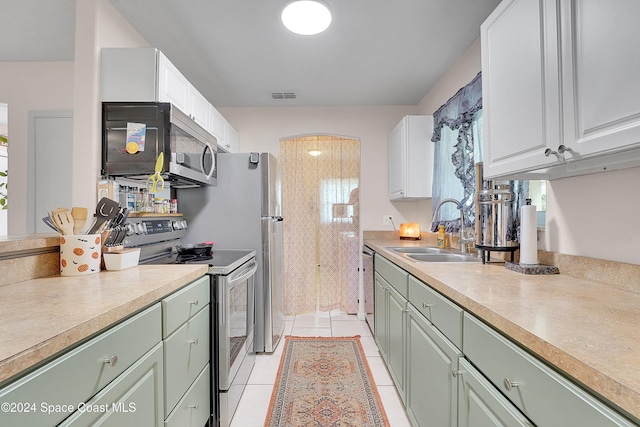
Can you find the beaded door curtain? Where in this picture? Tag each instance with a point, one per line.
(320, 179)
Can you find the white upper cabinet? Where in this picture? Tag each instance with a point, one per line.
(226, 134)
(147, 75)
(561, 95)
(199, 108)
(411, 158)
(231, 142)
(520, 86)
(600, 81)
(173, 87)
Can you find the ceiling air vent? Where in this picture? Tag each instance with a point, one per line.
(281, 95)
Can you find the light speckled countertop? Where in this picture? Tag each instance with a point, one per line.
(586, 329)
(41, 317)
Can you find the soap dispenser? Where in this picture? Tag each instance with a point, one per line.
(442, 237)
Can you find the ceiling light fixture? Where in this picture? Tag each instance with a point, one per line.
(306, 17)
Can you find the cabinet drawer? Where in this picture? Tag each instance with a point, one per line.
(186, 352)
(193, 410)
(132, 399)
(393, 274)
(83, 371)
(445, 315)
(546, 397)
(181, 305)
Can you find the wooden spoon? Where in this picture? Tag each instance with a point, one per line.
(63, 220)
(79, 216)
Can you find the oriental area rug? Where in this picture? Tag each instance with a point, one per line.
(324, 382)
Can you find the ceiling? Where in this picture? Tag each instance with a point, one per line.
(236, 52)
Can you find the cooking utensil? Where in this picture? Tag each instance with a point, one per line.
(63, 220)
(195, 249)
(155, 183)
(106, 210)
(79, 216)
(47, 220)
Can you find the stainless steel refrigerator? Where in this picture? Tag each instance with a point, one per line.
(244, 211)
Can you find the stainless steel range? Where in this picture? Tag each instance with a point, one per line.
(232, 277)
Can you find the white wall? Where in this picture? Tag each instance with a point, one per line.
(591, 215)
(29, 86)
(260, 129)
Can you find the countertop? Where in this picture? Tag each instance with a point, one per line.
(41, 317)
(588, 330)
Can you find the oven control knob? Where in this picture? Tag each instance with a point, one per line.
(131, 229)
(177, 225)
(140, 229)
(184, 223)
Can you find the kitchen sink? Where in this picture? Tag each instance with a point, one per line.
(432, 254)
(443, 257)
(419, 250)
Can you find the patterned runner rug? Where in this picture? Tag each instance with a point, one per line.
(324, 382)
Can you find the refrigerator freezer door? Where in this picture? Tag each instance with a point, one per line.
(271, 198)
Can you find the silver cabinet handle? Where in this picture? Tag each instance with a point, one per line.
(193, 341)
(425, 305)
(194, 406)
(508, 384)
(194, 302)
(549, 152)
(111, 361)
(455, 372)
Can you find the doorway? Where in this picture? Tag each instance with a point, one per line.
(320, 201)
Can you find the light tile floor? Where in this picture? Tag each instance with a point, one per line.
(254, 403)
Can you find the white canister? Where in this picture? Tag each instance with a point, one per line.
(80, 254)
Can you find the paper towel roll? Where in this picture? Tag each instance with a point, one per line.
(528, 235)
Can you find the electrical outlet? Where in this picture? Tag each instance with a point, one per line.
(387, 220)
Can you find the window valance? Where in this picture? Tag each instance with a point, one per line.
(460, 109)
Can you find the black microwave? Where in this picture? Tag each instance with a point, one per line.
(189, 150)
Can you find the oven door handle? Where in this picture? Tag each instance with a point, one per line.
(367, 253)
(249, 271)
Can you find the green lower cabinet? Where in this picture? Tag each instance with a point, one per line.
(132, 399)
(397, 307)
(481, 405)
(432, 388)
(380, 314)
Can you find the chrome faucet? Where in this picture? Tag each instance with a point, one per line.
(463, 240)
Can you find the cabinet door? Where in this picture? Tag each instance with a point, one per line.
(396, 339)
(411, 158)
(601, 88)
(432, 390)
(217, 125)
(198, 107)
(132, 399)
(520, 86)
(173, 87)
(379, 313)
(481, 405)
(231, 136)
